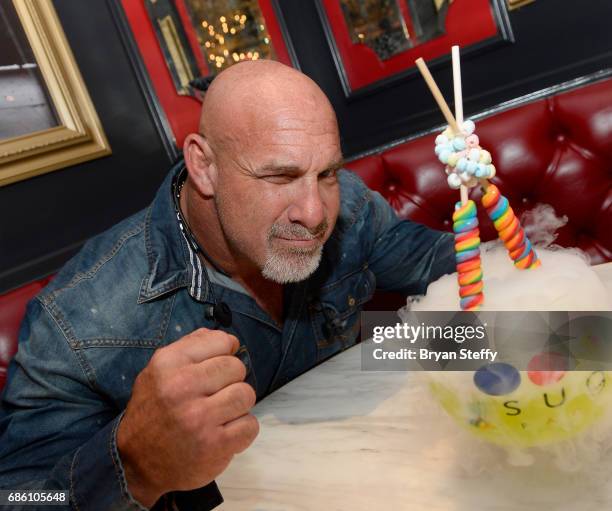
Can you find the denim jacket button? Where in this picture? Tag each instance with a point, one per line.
(351, 301)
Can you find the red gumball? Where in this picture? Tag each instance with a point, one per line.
(547, 368)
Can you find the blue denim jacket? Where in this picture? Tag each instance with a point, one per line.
(137, 287)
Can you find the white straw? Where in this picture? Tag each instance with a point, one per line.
(463, 191)
(458, 105)
(457, 85)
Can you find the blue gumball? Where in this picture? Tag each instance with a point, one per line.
(497, 379)
(441, 139)
(481, 170)
(459, 143)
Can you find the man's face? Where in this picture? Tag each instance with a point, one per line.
(277, 192)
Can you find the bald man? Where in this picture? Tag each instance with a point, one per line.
(138, 365)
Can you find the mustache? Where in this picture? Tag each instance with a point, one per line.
(298, 231)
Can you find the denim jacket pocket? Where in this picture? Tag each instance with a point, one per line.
(334, 312)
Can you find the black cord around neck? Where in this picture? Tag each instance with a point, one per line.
(177, 185)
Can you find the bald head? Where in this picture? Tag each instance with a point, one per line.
(263, 193)
(257, 95)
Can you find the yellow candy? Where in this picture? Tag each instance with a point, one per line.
(485, 157)
(453, 159)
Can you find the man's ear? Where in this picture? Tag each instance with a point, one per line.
(200, 163)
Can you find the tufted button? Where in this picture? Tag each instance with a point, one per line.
(524, 200)
(391, 187)
(446, 222)
(560, 138)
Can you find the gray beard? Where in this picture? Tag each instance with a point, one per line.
(293, 266)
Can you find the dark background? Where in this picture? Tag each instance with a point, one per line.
(45, 220)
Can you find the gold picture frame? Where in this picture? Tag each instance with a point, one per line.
(79, 135)
(515, 4)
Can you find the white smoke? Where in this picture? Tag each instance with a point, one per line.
(541, 224)
(564, 281)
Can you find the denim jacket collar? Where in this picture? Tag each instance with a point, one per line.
(171, 263)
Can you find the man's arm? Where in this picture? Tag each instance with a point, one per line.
(187, 417)
(406, 256)
(56, 432)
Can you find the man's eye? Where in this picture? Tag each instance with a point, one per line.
(331, 173)
(278, 178)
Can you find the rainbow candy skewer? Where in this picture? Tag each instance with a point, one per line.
(466, 164)
(467, 255)
(509, 229)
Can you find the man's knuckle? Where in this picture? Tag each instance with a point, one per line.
(242, 436)
(233, 340)
(250, 395)
(225, 340)
(157, 358)
(224, 363)
(243, 396)
(234, 367)
(202, 331)
(251, 426)
(224, 367)
(212, 368)
(234, 401)
(240, 368)
(196, 335)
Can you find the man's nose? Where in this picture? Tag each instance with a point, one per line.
(307, 207)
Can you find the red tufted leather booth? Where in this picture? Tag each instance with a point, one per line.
(12, 309)
(556, 150)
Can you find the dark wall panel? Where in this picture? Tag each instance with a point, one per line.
(555, 41)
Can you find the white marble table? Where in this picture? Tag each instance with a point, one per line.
(339, 438)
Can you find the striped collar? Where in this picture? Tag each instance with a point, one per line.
(172, 262)
(196, 272)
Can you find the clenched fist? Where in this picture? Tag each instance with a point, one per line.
(187, 416)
